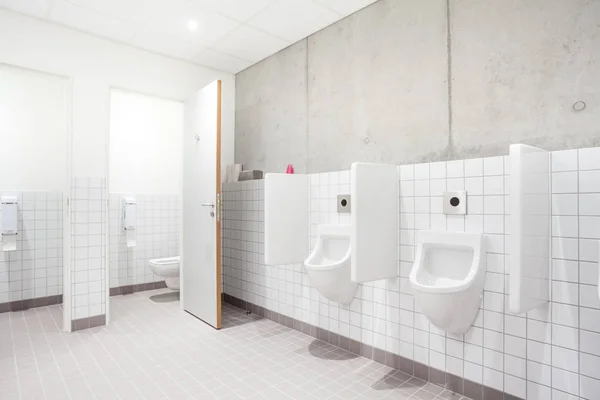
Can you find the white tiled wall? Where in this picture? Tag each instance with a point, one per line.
(550, 353)
(88, 247)
(496, 340)
(35, 269)
(157, 236)
(575, 334)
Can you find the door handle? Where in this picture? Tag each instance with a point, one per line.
(207, 204)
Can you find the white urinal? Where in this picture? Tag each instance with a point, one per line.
(448, 278)
(328, 265)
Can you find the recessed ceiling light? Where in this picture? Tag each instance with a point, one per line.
(193, 25)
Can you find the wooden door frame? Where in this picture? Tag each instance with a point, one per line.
(219, 207)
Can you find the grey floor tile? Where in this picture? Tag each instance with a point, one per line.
(155, 351)
(448, 395)
(432, 388)
(423, 395)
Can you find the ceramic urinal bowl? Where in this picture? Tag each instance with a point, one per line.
(448, 278)
(328, 266)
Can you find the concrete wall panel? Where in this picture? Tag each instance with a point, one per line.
(379, 74)
(517, 69)
(270, 112)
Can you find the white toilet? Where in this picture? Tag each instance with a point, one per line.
(448, 278)
(328, 265)
(168, 268)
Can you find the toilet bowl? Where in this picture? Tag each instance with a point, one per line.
(168, 268)
(447, 278)
(328, 265)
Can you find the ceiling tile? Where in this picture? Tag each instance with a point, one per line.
(250, 44)
(231, 34)
(135, 11)
(174, 18)
(73, 15)
(220, 61)
(166, 44)
(293, 19)
(240, 10)
(346, 7)
(37, 8)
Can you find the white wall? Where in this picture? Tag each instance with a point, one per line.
(33, 125)
(146, 135)
(95, 65)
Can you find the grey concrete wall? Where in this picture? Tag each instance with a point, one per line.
(375, 87)
(379, 76)
(270, 112)
(517, 69)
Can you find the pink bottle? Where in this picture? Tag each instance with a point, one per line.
(290, 169)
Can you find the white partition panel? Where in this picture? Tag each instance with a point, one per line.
(529, 238)
(374, 233)
(286, 218)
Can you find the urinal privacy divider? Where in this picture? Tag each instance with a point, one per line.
(530, 235)
(287, 207)
(374, 220)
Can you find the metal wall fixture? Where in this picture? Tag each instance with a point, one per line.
(344, 203)
(455, 203)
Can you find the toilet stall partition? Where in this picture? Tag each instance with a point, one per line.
(88, 253)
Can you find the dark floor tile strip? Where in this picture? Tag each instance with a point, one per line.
(455, 383)
(510, 397)
(436, 376)
(20, 305)
(421, 371)
(129, 289)
(406, 365)
(86, 323)
(452, 382)
(473, 390)
(492, 394)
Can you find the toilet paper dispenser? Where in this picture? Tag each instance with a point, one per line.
(129, 213)
(10, 223)
(9, 216)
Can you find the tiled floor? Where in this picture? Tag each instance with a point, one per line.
(155, 351)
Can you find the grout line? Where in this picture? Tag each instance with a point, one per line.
(58, 325)
(449, 77)
(579, 285)
(306, 109)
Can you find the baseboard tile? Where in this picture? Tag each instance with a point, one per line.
(129, 289)
(20, 305)
(89, 322)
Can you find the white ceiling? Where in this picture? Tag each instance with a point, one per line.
(232, 34)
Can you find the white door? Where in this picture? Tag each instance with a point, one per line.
(201, 239)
